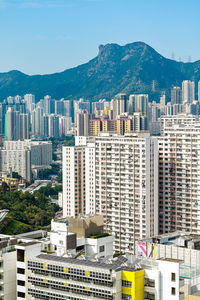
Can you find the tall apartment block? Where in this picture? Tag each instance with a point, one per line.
(176, 95)
(116, 176)
(119, 105)
(29, 100)
(65, 125)
(179, 174)
(138, 103)
(73, 181)
(80, 106)
(127, 187)
(188, 91)
(82, 119)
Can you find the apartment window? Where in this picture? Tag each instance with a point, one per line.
(126, 283)
(21, 282)
(21, 295)
(173, 276)
(20, 271)
(101, 248)
(20, 255)
(173, 291)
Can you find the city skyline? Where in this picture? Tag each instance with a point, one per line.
(51, 36)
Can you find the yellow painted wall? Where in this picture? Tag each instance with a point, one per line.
(127, 125)
(137, 289)
(97, 128)
(120, 126)
(105, 126)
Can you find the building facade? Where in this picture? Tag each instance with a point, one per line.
(116, 176)
(179, 175)
(19, 156)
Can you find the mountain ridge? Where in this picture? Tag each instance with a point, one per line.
(130, 68)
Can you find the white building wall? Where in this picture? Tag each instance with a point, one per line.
(95, 246)
(90, 178)
(30, 250)
(9, 275)
(166, 283)
(153, 274)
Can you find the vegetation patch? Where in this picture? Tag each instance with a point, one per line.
(99, 236)
(27, 212)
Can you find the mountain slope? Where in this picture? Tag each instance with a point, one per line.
(130, 68)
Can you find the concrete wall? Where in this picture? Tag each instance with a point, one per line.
(86, 227)
(9, 275)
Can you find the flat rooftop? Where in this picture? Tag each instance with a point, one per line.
(117, 264)
(27, 244)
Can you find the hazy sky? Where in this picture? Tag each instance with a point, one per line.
(46, 36)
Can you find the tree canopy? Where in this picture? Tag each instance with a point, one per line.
(27, 212)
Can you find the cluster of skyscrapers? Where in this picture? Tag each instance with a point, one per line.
(22, 118)
(141, 183)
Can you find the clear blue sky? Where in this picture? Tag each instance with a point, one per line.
(46, 36)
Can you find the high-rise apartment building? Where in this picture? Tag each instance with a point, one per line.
(3, 108)
(179, 174)
(16, 125)
(65, 125)
(98, 106)
(176, 95)
(188, 91)
(29, 100)
(12, 124)
(138, 103)
(59, 107)
(73, 181)
(24, 126)
(82, 121)
(153, 111)
(116, 176)
(127, 187)
(44, 126)
(80, 106)
(162, 103)
(119, 105)
(53, 125)
(68, 105)
(49, 105)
